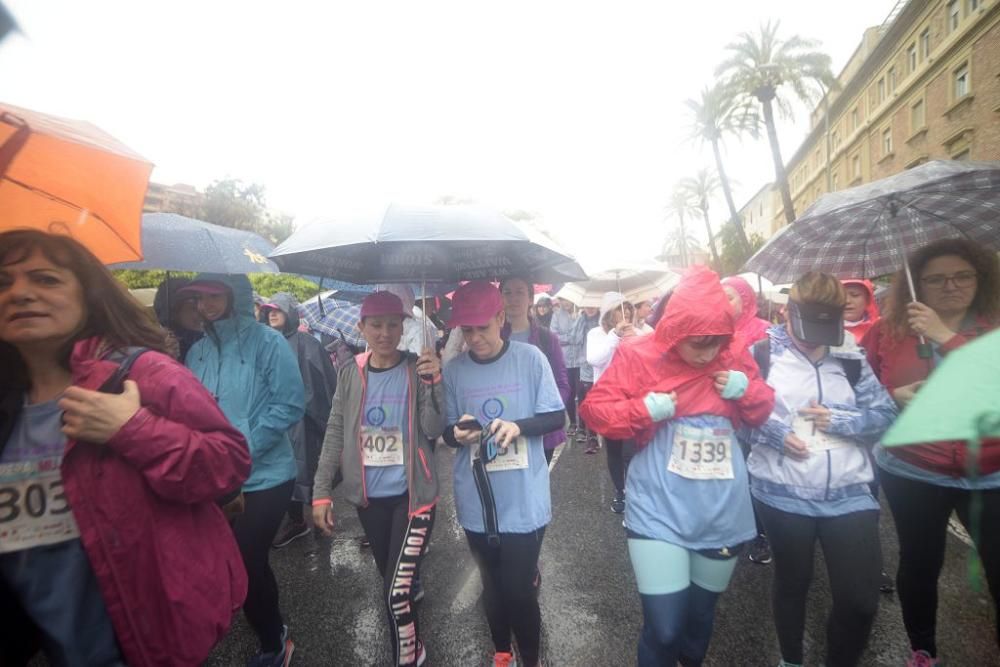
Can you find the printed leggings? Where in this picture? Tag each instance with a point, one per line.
(678, 588)
(399, 543)
(508, 572)
(853, 563)
(255, 530)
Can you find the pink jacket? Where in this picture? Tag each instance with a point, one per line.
(165, 558)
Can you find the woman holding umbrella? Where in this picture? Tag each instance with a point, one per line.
(958, 299)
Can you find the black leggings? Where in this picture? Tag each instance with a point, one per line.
(255, 530)
(619, 456)
(921, 511)
(509, 593)
(399, 543)
(573, 375)
(853, 563)
(581, 394)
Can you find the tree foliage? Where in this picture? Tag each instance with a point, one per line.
(265, 284)
(232, 203)
(733, 254)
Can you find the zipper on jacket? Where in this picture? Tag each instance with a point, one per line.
(359, 444)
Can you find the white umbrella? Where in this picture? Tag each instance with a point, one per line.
(637, 282)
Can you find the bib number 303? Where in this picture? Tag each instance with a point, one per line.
(33, 507)
(702, 453)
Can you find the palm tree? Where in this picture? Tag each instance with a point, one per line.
(760, 65)
(700, 188)
(680, 206)
(715, 114)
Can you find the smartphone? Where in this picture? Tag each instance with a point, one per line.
(469, 425)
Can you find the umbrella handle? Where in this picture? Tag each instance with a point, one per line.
(924, 350)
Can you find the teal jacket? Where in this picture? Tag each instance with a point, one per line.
(253, 374)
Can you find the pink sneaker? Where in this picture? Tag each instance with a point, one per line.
(922, 659)
(504, 660)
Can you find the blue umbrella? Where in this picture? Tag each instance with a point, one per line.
(335, 318)
(426, 243)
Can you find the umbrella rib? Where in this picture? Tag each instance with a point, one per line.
(60, 200)
(941, 218)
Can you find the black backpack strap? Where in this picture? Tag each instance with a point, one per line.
(762, 355)
(116, 383)
(852, 369)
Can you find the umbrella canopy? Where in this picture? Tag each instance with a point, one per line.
(637, 282)
(432, 243)
(867, 231)
(175, 243)
(961, 400)
(66, 176)
(336, 318)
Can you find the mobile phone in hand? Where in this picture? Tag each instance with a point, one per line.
(469, 425)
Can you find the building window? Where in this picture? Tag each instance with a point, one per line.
(835, 181)
(954, 15)
(855, 119)
(960, 77)
(911, 59)
(887, 142)
(835, 140)
(856, 166)
(972, 6)
(880, 88)
(964, 155)
(892, 80)
(916, 116)
(925, 44)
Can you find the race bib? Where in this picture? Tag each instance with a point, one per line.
(382, 447)
(815, 439)
(515, 457)
(702, 453)
(33, 506)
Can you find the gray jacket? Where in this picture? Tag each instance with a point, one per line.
(344, 427)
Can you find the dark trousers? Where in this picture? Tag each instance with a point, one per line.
(676, 627)
(399, 543)
(509, 594)
(255, 530)
(573, 375)
(581, 394)
(853, 563)
(921, 511)
(619, 455)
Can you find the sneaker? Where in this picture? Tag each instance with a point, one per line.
(760, 551)
(421, 653)
(886, 584)
(504, 660)
(593, 446)
(581, 436)
(364, 543)
(618, 502)
(292, 532)
(922, 659)
(275, 658)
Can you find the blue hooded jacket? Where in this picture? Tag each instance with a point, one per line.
(253, 374)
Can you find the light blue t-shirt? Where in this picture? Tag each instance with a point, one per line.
(387, 408)
(55, 583)
(692, 513)
(517, 384)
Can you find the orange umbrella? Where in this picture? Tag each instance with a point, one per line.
(69, 177)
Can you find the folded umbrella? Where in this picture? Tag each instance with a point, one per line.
(69, 177)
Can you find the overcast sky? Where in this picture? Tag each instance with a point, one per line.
(572, 110)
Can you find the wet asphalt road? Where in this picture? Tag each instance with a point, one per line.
(590, 608)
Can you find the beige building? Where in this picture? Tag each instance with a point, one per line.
(924, 85)
(179, 198)
(758, 214)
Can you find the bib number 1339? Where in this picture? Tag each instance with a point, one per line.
(702, 453)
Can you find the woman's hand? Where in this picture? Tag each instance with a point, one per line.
(428, 364)
(624, 329)
(903, 395)
(721, 380)
(818, 415)
(93, 416)
(505, 432)
(467, 437)
(795, 447)
(924, 321)
(323, 518)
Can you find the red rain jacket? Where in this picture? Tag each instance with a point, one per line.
(859, 329)
(896, 363)
(614, 406)
(164, 556)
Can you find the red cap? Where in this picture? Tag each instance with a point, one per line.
(204, 287)
(474, 304)
(382, 303)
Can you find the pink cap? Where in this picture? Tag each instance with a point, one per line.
(474, 304)
(382, 303)
(204, 287)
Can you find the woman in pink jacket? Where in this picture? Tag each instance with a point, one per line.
(113, 549)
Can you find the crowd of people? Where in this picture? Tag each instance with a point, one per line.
(148, 467)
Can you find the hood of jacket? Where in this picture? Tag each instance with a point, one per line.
(241, 309)
(751, 327)
(697, 307)
(165, 300)
(871, 310)
(288, 305)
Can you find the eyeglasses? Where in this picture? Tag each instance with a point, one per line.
(940, 281)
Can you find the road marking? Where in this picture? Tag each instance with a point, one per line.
(958, 530)
(469, 592)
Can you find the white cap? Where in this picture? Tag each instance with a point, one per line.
(610, 301)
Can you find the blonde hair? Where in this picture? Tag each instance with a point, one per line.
(819, 288)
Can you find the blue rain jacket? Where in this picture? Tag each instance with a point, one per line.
(253, 374)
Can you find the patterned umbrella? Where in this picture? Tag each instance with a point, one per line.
(335, 318)
(865, 232)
